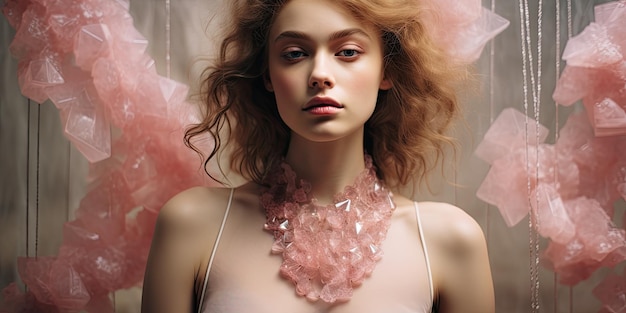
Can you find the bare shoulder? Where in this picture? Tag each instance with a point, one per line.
(178, 250)
(451, 228)
(194, 208)
(459, 258)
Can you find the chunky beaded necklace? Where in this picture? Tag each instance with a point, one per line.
(327, 249)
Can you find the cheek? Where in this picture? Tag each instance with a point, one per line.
(366, 75)
(365, 85)
(285, 85)
(286, 95)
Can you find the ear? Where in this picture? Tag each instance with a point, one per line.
(385, 84)
(268, 82)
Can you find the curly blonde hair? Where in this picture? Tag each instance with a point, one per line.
(406, 135)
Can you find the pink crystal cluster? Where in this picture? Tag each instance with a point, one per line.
(86, 57)
(462, 28)
(571, 187)
(612, 293)
(596, 73)
(327, 249)
(89, 60)
(596, 70)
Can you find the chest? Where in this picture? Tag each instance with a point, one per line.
(245, 275)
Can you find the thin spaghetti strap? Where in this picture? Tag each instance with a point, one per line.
(217, 242)
(421, 232)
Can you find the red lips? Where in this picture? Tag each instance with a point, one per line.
(317, 102)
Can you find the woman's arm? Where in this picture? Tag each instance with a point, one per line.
(176, 254)
(464, 282)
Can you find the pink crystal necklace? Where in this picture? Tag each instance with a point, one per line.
(327, 249)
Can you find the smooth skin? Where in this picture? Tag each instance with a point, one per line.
(338, 59)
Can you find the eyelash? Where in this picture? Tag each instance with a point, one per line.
(289, 55)
(355, 51)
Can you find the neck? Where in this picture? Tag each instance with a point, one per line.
(328, 166)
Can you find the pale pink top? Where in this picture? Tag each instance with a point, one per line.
(245, 278)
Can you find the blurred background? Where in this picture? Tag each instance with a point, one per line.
(43, 177)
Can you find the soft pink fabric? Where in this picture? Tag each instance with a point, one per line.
(245, 275)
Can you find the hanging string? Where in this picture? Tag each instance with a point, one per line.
(37, 183)
(28, 179)
(492, 54)
(557, 70)
(569, 35)
(491, 114)
(571, 299)
(569, 19)
(525, 101)
(527, 65)
(537, 107)
(69, 184)
(557, 62)
(168, 44)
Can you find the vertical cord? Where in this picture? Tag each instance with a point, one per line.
(537, 107)
(37, 184)
(529, 55)
(28, 180)
(525, 101)
(491, 71)
(536, 89)
(569, 35)
(571, 299)
(69, 183)
(168, 43)
(557, 62)
(523, 30)
(491, 114)
(569, 19)
(556, 129)
(527, 62)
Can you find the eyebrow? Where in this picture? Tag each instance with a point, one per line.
(334, 36)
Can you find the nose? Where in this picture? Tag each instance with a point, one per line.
(321, 74)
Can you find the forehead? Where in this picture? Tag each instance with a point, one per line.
(316, 17)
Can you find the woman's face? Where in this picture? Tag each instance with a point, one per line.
(325, 69)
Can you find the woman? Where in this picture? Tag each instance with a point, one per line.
(329, 106)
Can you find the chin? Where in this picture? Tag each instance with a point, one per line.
(330, 135)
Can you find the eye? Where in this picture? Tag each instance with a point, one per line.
(293, 55)
(348, 53)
